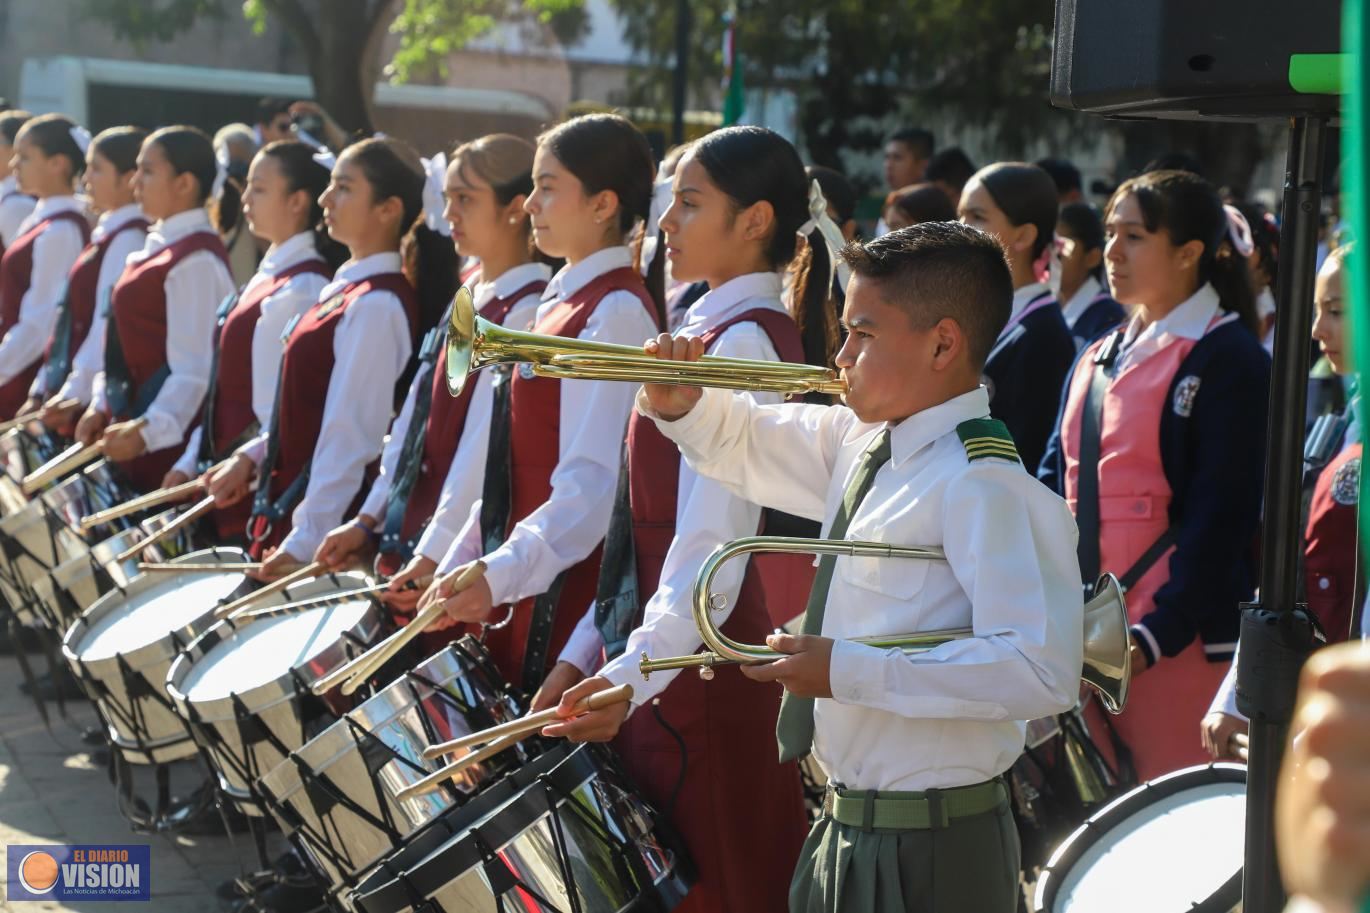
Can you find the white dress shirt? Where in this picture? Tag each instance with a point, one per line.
(954, 715)
(277, 310)
(707, 514)
(568, 526)
(89, 359)
(195, 287)
(1079, 302)
(371, 347)
(1190, 320)
(466, 475)
(54, 252)
(14, 209)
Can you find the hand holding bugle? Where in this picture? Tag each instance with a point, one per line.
(166, 532)
(181, 492)
(308, 572)
(357, 670)
(505, 735)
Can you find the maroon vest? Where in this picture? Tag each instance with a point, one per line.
(231, 415)
(1330, 560)
(16, 275)
(442, 433)
(83, 288)
(744, 861)
(3, 199)
(534, 451)
(306, 368)
(137, 313)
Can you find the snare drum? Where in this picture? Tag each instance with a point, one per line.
(32, 542)
(373, 752)
(20, 454)
(567, 827)
(1189, 824)
(174, 546)
(93, 489)
(243, 687)
(74, 585)
(122, 646)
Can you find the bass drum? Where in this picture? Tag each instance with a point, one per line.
(1189, 825)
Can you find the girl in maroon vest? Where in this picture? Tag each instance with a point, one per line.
(76, 350)
(336, 391)
(15, 204)
(159, 337)
(741, 201)
(48, 156)
(434, 463)
(592, 184)
(281, 205)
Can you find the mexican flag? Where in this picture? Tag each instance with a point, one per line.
(734, 95)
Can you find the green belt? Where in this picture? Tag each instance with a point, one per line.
(911, 811)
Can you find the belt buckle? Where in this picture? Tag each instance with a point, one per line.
(829, 795)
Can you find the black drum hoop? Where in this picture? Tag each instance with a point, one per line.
(1125, 806)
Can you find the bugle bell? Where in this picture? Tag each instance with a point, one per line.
(1107, 668)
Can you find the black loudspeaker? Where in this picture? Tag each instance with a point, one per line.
(1190, 59)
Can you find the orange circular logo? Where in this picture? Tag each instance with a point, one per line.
(38, 872)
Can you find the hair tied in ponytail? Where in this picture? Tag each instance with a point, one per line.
(81, 137)
(434, 179)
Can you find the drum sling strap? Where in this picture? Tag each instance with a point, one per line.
(495, 508)
(212, 451)
(122, 397)
(411, 454)
(262, 505)
(58, 363)
(617, 601)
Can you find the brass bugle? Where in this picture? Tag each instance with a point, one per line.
(474, 343)
(1107, 667)
(182, 492)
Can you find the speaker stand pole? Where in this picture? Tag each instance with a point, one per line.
(1276, 635)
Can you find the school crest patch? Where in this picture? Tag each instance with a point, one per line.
(1346, 483)
(526, 370)
(1185, 392)
(332, 304)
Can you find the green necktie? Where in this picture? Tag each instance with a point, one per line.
(794, 727)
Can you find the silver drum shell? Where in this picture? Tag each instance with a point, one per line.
(375, 750)
(281, 710)
(141, 722)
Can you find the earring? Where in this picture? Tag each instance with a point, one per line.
(513, 220)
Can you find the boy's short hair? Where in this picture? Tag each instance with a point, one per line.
(941, 269)
(919, 141)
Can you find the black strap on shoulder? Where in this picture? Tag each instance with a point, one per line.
(540, 636)
(1087, 494)
(496, 500)
(617, 602)
(410, 461)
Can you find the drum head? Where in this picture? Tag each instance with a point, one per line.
(259, 653)
(174, 602)
(1173, 845)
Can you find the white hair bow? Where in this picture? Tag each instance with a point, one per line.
(1239, 231)
(322, 154)
(832, 235)
(81, 137)
(661, 201)
(434, 178)
(221, 161)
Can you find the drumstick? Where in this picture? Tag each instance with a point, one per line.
(74, 457)
(175, 526)
(430, 782)
(171, 567)
(152, 499)
(527, 725)
(291, 608)
(20, 421)
(311, 570)
(363, 666)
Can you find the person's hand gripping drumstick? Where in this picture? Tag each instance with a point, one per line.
(464, 595)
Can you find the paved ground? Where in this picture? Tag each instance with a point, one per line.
(50, 792)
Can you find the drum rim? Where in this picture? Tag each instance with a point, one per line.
(349, 746)
(1084, 837)
(454, 855)
(221, 709)
(147, 654)
(124, 541)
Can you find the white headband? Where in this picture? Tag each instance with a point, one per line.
(1239, 231)
(81, 137)
(434, 178)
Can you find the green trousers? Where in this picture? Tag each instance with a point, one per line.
(969, 866)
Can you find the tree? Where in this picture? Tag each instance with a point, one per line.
(341, 39)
